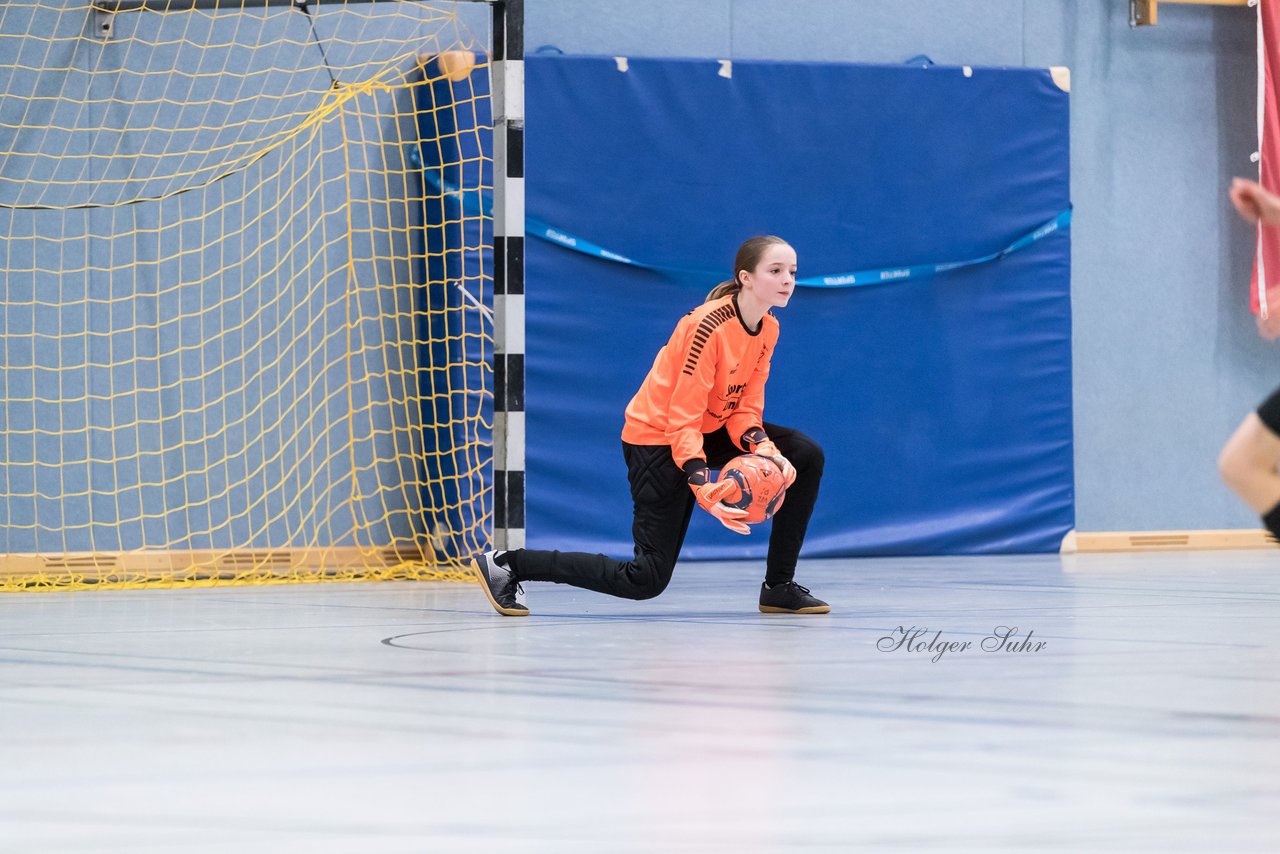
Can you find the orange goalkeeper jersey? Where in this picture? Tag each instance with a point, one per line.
(711, 373)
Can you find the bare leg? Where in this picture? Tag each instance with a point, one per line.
(1249, 463)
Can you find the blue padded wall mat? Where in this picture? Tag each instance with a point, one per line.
(944, 404)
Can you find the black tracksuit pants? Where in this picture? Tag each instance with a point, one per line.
(663, 505)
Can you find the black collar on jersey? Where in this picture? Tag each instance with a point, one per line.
(738, 312)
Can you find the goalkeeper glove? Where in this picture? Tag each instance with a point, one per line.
(755, 441)
(711, 495)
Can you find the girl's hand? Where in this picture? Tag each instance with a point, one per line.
(709, 496)
(770, 450)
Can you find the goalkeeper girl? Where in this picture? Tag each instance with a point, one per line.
(700, 406)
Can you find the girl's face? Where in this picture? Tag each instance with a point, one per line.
(774, 278)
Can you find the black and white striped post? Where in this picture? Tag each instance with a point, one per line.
(508, 274)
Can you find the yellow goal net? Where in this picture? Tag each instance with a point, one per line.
(242, 339)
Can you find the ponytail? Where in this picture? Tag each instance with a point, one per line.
(728, 286)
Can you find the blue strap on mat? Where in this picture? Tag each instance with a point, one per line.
(473, 203)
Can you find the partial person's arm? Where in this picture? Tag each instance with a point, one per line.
(1257, 204)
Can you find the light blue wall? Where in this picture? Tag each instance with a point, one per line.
(1166, 357)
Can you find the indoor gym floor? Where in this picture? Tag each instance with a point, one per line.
(409, 717)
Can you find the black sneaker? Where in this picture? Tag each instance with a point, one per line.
(790, 598)
(499, 584)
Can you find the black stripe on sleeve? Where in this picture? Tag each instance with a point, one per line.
(708, 325)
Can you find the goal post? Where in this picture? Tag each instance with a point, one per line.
(508, 253)
(214, 330)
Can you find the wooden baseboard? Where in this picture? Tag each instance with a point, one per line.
(1081, 542)
(243, 566)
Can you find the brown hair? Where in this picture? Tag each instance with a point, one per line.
(748, 258)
